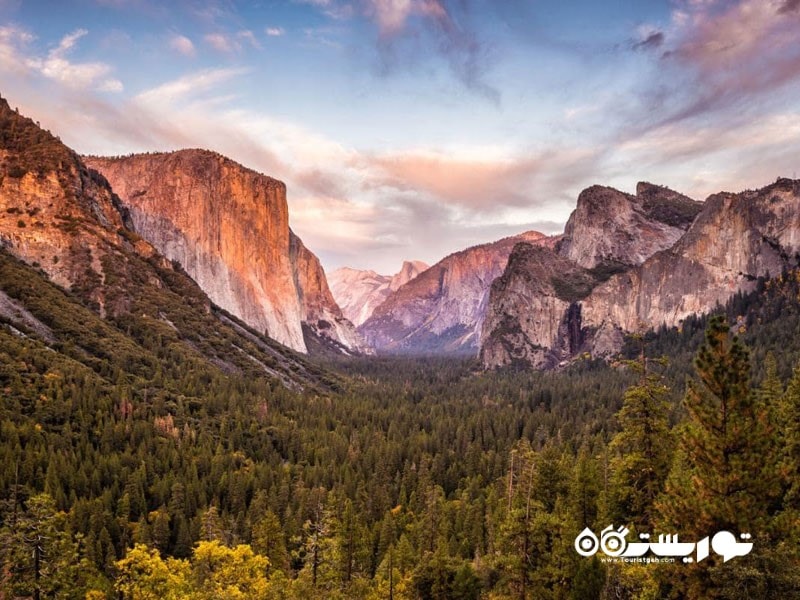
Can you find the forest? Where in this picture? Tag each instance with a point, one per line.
(130, 469)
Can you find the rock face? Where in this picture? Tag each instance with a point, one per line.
(443, 308)
(531, 320)
(62, 218)
(359, 293)
(321, 316)
(737, 238)
(55, 213)
(613, 230)
(734, 239)
(228, 227)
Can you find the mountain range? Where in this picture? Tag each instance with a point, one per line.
(360, 292)
(442, 309)
(116, 233)
(544, 311)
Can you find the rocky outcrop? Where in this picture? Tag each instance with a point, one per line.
(321, 316)
(613, 230)
(735, 239)
(443, 308)
(228, 227)
(359, 293)
(62, 219)
(409, 270)
(54, 213)
(534, 316)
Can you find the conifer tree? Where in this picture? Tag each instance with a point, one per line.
(789, 417)
(270, 541)
(724, 476)
(727, 444)
(642, 449)
(41, 559)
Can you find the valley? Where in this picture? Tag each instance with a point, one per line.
(188, 412)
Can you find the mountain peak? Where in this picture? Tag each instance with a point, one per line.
(228, 226)
(443, 308)
(360, 292)
(667, 206)
(408, 271)
(611, 228)
(543, 313)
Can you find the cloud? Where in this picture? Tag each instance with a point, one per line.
(13, 41)
(231, 44)
(248, 36)
(651, 41)
(220, 43)
(739, 54)
(335, 9)
(472, 183)
(274, 31)
(391, 15)
(56, 65)
(410, 32)
(111, 85)
(191, 84)
(442, 27)
(182, 45)
(483, 183)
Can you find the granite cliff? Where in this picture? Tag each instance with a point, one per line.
(735, 239)
(615, 230)
(60, 219)
(531, 320)
(640, 273)
(228, 227)
(55, 213)
(360, 292)
(443, 308)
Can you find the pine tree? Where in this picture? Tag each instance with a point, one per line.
(268, 540)
(789, 417)
(727, 443)
(724, 477)
(642, 449)
(41, 558)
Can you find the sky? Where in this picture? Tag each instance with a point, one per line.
(410, 129)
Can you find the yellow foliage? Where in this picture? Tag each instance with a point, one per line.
(215, 572)
(143, 575)
(219, 572)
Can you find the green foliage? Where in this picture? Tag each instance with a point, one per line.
(725, 477)
(727, 441)
(30, 148)
(641, 450)
(40, 556)
(155, 436)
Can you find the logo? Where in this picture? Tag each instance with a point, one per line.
(614, 544)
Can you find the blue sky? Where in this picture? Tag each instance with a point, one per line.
(408, 129)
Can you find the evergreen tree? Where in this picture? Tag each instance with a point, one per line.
(269, 540)
(41, 558)
(789, 417)
(725, 475)
(641, 449)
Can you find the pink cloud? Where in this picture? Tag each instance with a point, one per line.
(182, 45)
(735, 51)
(221, 43)
(485, 184)
(391, 15)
